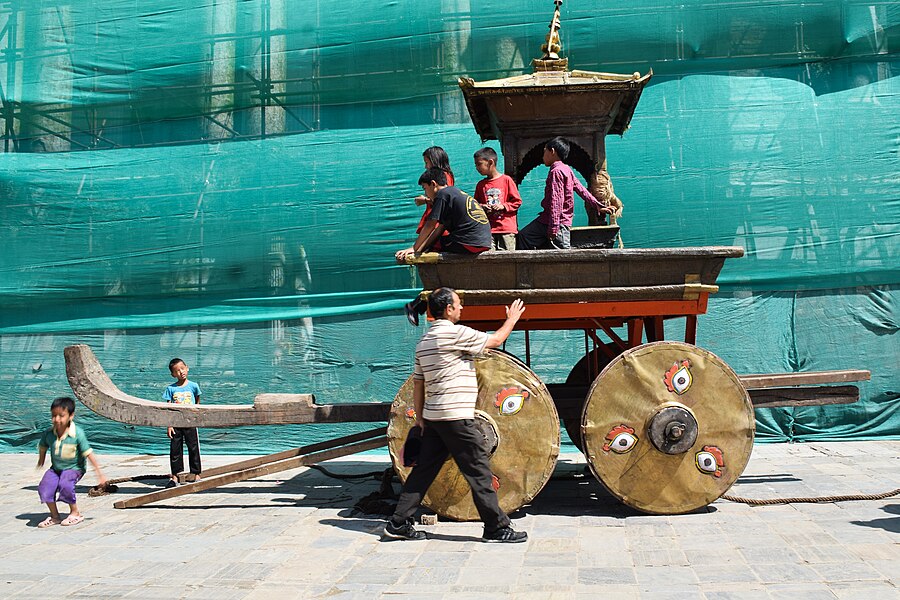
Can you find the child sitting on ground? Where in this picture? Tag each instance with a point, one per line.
(182, 392)
(69, 449)
(498, 195)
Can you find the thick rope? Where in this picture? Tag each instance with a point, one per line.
(822, 499)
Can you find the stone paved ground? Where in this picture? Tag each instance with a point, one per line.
(294, 535)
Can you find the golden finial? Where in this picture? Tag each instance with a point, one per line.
(552, 46)
(551, 61)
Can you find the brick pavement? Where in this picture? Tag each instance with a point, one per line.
(294, 535)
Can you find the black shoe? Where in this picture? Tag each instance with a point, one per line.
(411, 315)
(505, 535)
(172, 483)
(406, 531)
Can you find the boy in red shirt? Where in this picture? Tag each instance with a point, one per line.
(499, 196)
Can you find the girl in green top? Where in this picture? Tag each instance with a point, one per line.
(69, 451)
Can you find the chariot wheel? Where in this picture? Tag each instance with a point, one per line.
(581, 375)
(667, 427)
(521, 429)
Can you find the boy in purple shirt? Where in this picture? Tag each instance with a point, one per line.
(551, 228)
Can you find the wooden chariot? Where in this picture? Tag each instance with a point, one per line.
(666, 427)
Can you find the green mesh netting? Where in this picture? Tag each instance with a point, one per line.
(253, 164)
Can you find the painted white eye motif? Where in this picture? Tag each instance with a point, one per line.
(620, 439)
(706, 462)
(710, 460)
(678, 378)
(682, 380)
(510, 400)
(512, 404)
(622, 443)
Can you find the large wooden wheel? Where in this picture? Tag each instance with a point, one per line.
(521, 428)
(580, 375)
(667, 427)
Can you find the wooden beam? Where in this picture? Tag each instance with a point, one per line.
(804, 396)
(613, 336)
(690, 329)
(268, 469)
(756, 382)
(689, 291)
(93, 387)
(270, 458)
(635, 332)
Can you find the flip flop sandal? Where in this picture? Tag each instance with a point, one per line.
(48, 522)
(70, 520)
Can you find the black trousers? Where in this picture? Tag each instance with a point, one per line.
(534, 236)
(461, 440)
(181, 436)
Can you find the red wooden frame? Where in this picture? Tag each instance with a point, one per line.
(643, 318)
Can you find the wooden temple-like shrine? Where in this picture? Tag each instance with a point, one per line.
(666, 427)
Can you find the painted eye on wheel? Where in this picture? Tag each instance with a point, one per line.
(510, 400)
(710, 460)
(678, 378)
(620, 439)
(706, 462)
(682, 380)
(511, 405)
(622, 443)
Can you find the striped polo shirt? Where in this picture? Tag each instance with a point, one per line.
(445, 360)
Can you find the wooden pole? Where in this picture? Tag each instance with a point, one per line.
(820, 395)
(266, 469)
(270, 458)
(773, 380)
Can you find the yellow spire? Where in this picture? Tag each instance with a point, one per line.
(551, 61)
(552, 46)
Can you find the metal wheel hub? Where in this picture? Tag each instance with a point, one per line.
(673, 429)
(488, 428)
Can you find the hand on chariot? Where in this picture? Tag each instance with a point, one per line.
(515, 310)
(401, 255)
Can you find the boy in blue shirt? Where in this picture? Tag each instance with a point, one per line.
(182, 392)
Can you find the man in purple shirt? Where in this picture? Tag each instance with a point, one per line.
(551, 228)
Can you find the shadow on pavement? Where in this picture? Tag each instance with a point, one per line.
(35, 518)
(891, 524)
(371, 526)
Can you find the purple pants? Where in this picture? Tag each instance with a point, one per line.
(62, 482)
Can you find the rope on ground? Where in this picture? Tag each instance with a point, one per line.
(812, 500)
(110, 486)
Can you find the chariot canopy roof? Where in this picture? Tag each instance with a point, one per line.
(553, 99)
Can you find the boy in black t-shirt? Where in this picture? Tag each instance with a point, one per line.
(469, 231)
(464, 219)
